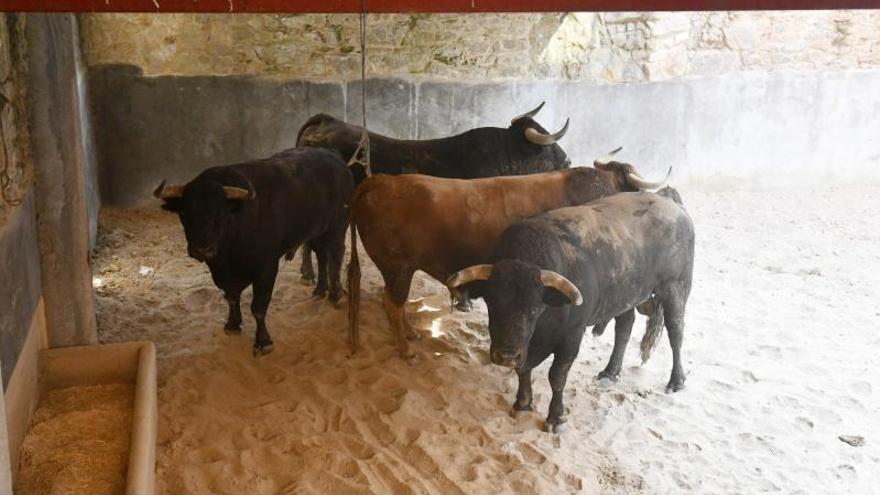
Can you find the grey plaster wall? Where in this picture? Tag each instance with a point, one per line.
(148, 129)
(762, 127)
(60, 161)
(20, 288)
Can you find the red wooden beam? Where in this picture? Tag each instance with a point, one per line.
(407, 6)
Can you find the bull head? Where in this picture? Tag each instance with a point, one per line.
(176, 191)
(632, 177)
(516, 293)
(538, 137)
(205, 212)
(549, 279)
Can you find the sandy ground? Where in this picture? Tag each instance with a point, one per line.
(781, 346)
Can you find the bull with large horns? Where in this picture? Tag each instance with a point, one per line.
(240, 219)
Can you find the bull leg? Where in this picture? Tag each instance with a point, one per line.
(396, 292)
(233, 321)
(599, 328)
(623, 325)
(334, 268)
(263, 288)
(321, 287)
(673, 311)
(558, 375)
(306, 271)
(524, 391)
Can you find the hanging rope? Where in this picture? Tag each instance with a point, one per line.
(362, 153)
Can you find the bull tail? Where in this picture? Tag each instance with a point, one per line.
(653, 328)
(354, 290)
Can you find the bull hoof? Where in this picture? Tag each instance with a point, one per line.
(465, 305)
(555, 426)
(516, 410)
(263, 349)
(408, 355)
(307, 280)
(333, 299)
(675, 386)
(230, 329)
(607, 375)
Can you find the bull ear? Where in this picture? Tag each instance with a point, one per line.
(171, 195)
(557, 283)
(602, 163)
(172, 205)
(553, 297)
(168, 192)
(239, 193)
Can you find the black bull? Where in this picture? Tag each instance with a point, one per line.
(240, 219)
(553, 275)
(522, 148)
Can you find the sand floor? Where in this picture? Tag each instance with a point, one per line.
(781, 350)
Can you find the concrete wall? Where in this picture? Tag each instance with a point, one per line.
(61, 160)
(758, 126)
(19, 264)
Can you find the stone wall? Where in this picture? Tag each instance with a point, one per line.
(599, 48)
(19, 252)
(16, 162)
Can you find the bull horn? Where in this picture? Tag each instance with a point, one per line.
(546, 139)
(562, 284)
(602, 163)
(470, 274)
(238, 193)
(168, 192)
(529, 114)
(636, 181)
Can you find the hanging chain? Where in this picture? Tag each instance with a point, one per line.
(362, 153)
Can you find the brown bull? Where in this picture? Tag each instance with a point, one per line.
(440, 226)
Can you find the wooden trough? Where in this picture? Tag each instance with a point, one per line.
(131, 362)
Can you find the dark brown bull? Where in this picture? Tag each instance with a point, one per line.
(440, 226)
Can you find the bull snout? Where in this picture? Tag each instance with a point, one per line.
(511, 358)
(202, 253)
